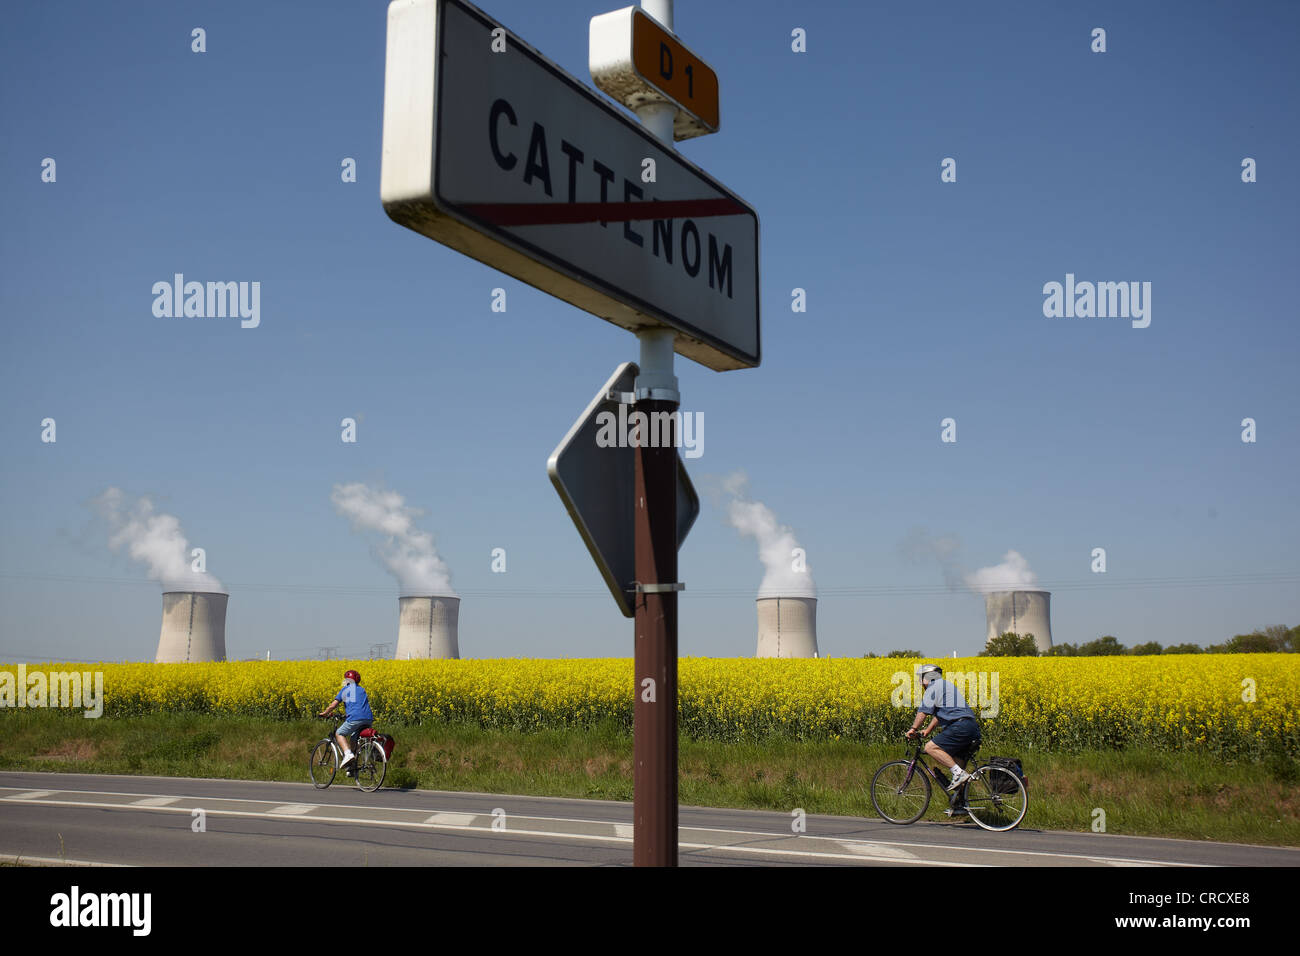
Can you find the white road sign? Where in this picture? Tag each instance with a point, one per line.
(495, 151)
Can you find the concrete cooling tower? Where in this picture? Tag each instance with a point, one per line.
(427, 627)
(1022, 612)
(193, 627)
(787, 627)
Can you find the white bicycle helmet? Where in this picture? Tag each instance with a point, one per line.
(930, 672)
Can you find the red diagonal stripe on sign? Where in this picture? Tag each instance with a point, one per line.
(555, 213)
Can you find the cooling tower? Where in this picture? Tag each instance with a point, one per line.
(427, 627)
(1022, 612)
(787, 627)
(193, 627)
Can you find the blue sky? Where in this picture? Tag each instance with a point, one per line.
(924, 302)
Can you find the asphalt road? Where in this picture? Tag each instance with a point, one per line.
(152, 821)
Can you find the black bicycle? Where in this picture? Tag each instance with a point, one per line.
(370, 766)
(994, 797)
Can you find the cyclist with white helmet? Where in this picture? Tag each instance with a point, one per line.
(944, 703)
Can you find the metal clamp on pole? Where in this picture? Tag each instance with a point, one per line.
(656, 381)
(659, 588)
(623, 398)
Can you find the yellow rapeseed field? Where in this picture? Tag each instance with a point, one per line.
(1232, 704)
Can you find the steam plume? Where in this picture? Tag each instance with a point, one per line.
(776, 542)
(1012, 574)
(153, 538)
(920, 547)
(407, 552)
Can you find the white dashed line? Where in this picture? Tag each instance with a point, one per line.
(877, 850)
(154, 801)
(452, 819)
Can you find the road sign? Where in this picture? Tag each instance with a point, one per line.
(597, 484)
(637, 61)
(495, 151)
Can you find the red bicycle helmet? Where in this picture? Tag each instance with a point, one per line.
(352, 676)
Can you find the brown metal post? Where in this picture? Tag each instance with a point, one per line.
(654, 715)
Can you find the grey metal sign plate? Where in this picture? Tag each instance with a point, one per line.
(597, 485)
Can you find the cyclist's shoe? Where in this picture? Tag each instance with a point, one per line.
(956, 812)
(350, 758)
(959, 777)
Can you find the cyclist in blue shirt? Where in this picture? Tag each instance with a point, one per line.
(356, 712)
(944, 703)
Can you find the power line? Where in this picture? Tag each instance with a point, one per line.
(46, 658)
(1093, 583)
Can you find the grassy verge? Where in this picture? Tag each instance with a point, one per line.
(1141, 791)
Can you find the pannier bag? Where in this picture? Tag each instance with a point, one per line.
(385, 741)
(1000, 783)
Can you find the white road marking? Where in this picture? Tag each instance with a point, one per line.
(452, 819)
(548, 834)
(54, 861)
(877, 850)
(154, 801)
(861, 851)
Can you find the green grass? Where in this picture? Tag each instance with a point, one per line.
(1141, 791)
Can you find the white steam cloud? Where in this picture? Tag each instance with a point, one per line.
(921, 547)
(776, 542)
(1012, 574)
(154, 539)
(407, 552)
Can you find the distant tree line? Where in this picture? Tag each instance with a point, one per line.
(1278, 639)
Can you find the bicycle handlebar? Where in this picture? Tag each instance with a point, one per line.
(916, 743)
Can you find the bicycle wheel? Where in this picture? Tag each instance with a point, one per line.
(324, 764)
(897, 798)
(996, 798)
(372, 767)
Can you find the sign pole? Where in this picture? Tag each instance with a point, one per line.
(654, 716)
(654, 720)
(461, 167)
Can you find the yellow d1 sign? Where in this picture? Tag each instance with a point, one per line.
(636, 61)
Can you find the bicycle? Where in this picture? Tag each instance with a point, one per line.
(994, 797)
(370, 766)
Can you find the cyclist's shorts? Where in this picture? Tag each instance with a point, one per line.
(959, 739)
(349, 727)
